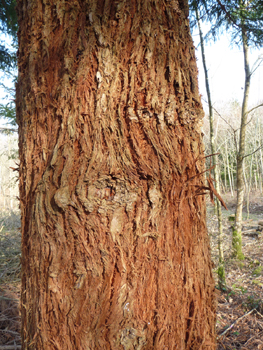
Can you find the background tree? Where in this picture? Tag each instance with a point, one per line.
(244, 20)
(244, 17)
(114, 244)
(226, 143)
(8, 178)
(221, 269)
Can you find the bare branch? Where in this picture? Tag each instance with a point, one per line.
(232, 325)
(252, 109)
(233, 130)
(7, 129)
(250, 154)
(256, 64)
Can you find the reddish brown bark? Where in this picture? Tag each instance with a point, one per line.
(115, 248)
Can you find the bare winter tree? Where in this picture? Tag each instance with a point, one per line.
(115, 248)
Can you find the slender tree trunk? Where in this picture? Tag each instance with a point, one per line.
(237, 234)
(115, 253)
(260, 161)
(229, 171)
(225, 173)
(246, 186)
(256, 175)
(221, 268)
(250, 183)
(260, 173)
(232, 174)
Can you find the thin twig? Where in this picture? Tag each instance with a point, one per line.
(259, 313)
(250, 154)
(10, 347)
(249, 340)
(8, 331)
(256, 65)
(5, 298)
(7, 129)
(211, 155)
(234, 130)
(250, 231)
(232, 325)
(252, 109)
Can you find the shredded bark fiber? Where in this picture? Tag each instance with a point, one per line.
(115, 253)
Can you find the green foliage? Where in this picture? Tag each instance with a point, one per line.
(8, 19)
(229, 295)
(8, 108)
(240, 288)
(8, 26)
(241, 265)
(232, 217)
(8, 60)
(235, 16)
(8, 111)
(253, 263)
(241, 16)
(7, 57)
(257, 283)
(257, 271)
(252, 302)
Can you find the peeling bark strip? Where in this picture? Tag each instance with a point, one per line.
(115, 249)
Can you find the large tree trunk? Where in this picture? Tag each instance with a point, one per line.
(115, 248)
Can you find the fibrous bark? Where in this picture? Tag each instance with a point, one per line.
(115, 253)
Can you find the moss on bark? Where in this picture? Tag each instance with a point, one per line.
(237, 244)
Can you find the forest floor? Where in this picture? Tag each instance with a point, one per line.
(239, 308)
(10, 254)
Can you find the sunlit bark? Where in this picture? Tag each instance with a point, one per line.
(115, 252)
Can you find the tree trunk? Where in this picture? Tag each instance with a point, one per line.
(237, 229)
(115, 253)
(261, 166)
(229, 171)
